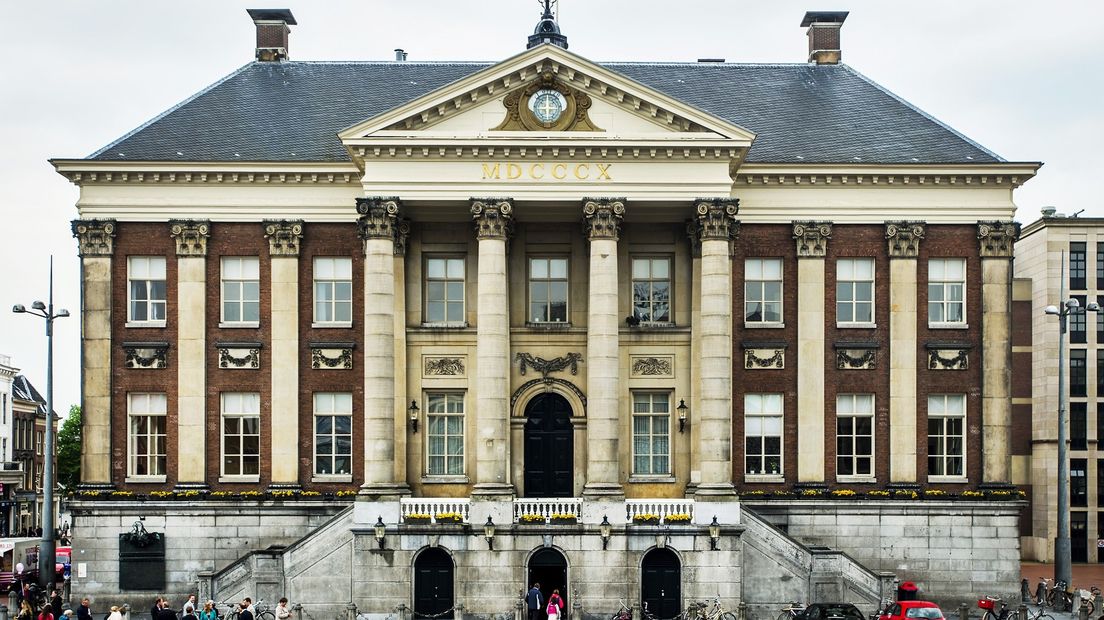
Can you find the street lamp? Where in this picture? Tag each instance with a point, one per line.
(1063, 569)
(47, 547)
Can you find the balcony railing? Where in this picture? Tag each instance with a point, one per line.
(546, 507)
(434, 506)
(662, 508)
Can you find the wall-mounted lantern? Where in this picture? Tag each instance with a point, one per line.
(488, 532)
(380, 530)
(714, 534)
(681, 410)
(605, 529)
(413, 411)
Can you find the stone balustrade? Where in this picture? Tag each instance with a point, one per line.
(434, 506)
(546, 507)
(662, 508)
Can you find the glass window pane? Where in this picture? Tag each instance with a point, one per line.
(538, 268)
(456, 268)
(557, 268)
(435, 268)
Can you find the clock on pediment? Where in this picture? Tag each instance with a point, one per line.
(547, 105)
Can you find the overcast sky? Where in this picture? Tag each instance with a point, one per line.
(1021, 78)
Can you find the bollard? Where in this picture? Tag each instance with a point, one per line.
(13, 602)
(350, 611)
(741, 611)
(125, 610)
(519, 607)
(964, 612)
(1025, 591)
(1022, 611)
(459, 609)
(298, 609)
(1075, 603)
(402, 611)
(636, 611)
(1099, 601)
(3, 612)
(1082, 608)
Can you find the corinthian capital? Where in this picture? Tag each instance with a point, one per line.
(494, 217)
(377, 217)
(402, 233)
(603, 217)
(812, 238)
(95, 237)
(191, 236)
(996, 238)
(717, 218)
(904, 238)
(283, 237)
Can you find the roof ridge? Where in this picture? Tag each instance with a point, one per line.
(931, 118)
(172, 109)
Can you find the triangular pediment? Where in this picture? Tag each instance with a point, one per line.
(604, 108)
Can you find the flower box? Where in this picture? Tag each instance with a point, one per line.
(416, 518)
(564, 521)
(448, 517)
(646, 519)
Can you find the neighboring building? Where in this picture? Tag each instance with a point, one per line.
(727, 295)
(11, 472)
(28, 444)
(1040, 253)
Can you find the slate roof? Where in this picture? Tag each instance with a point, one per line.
(292, 111)
(24, 390)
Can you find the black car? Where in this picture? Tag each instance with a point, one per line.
(831, 611)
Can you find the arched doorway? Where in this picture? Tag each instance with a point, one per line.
(661, 583)
(548, 567)
(433, 583)
(549, 447)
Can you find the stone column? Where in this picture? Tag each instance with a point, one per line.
(812, 244)
(904, 247)
(191, 350)
(694, 402)
(602, 219)
(493, 223)
(376, 225)
(95, 240)
(718, 226)
(402, 233)
(995, 248)
(283, 250)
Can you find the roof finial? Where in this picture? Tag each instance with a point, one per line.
(547, 31)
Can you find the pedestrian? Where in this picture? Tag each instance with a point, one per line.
(209, 612)
(25, 611)
(250, 607)
(166, 612)
(245, 613)
(533, 600)
(84, 611)
(189, 608)
(283, 612)
(55, 601)
(115, 614)
(156, 609)
(47, 613)
(555, 605)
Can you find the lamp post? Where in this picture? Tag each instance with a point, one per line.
(47, 547)
(1063, 569)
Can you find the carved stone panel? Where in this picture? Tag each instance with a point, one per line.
(717, 218)
(243, 355)
(283, 236)
(149, 355)
(948, 357)
(444, 366)
(812, 238)
(652, 366)
(377, 217)
(856, 359)
(332, 355)
(191, 236)
(545, 367)
(996, 238)
(602, 217)
(493, 217)
(95, 237)
(904, 238)
(761, 359)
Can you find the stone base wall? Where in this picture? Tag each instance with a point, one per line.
(956, 552)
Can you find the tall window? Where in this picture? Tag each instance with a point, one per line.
(444, 290)
(855, 290)
(1100, 319)
(241, 434)
(1099, 264)
(946, 291)
(1078, 380)
(1077, 265)
(333, 433)
(855, 435)
(651, 285)
(1077, 321)
(762, 434)
(241, 291)
(445, 420)
(333, 290)
(548, 290)
(38, 443)
(1100, 373)
(651, 433)
(1100, 431)
(947, 435)
(763, 290)
(1079, 426)
(146, 445)
(146, 278)
(1079, 482)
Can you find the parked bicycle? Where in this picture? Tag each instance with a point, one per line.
(793, 610)
(1041, 592)
(995, 609)
(1040, 614)
(705, 611)
(622, 614)
(1060, 598)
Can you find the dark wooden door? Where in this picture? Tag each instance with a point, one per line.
(549, 447)
(432, 583)
(548, 567)
(661, 583)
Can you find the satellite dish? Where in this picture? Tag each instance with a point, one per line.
(19, 568)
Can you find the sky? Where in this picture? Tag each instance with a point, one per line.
(1021, 78)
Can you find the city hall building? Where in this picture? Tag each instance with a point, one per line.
(410, 336)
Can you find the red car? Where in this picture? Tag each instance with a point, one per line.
(903, 610)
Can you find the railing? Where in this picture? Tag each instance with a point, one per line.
(547, 507)
(434, 506)
(663, 508)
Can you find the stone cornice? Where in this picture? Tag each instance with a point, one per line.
(377, 217)
(904, 238)
(964, 176)
(717, 218)
(94, 237)
(283, 237)
(191, 236)
(812, 238)
(494, 217)
(602, 217)
(85, 172)
(995, 239)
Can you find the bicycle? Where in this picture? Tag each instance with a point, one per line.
(623, 614)
(990, 603)
(1041, 614)
(705, 611)
(1060, 593)
(791, 611)
(264, 612)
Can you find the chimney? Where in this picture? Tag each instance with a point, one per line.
(272, 33)
(824, 36)
(400, 55)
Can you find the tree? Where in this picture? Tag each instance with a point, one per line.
(69, 449)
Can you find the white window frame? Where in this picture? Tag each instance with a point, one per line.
(334, 278)
(450, 396)
(771, 405)
(145, 269)
(332, 405)
(848, 406)
(937, 409)
(147, 405)
(945, 284)
(242, 413)
(243, 263)
(548, 280)
(654, 397)
(650, 260)
(449, 261)
(846, 269)
(753, 277)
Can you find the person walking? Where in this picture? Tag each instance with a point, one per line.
(283, 612)
(47, 613)
(208, 612)
(156, 609)
(115, 614)
(245, 613)
(25, 611)
(189, 608)
(84, 612)
(55, 602)
(555, 605)
(533, 601)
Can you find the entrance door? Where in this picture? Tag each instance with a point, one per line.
(432, 584)
(548, 567)
(549, 446)
(661, 583)
(1079, 537)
